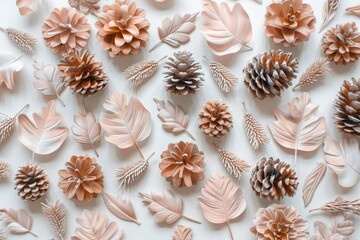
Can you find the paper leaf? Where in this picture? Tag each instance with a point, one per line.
(7, 124)
(27, 7)
(182, 233)
(55, 214)
(354, 10)
(121, 208)
(300, 129)
(9, 64)
(85, 6)
(339, 205)
(312, 181)
(330, 8)
(45, 136)
(343, 158)
(225, 30)
(17, 221)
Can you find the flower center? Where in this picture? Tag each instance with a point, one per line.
(291, 18)
(124, 22)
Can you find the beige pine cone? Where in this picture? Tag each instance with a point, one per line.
(122, 28)
(215, 119)
(289, 22)
(66, 30)
(341, 44)
(268, 74)
(347, 108)
(272, 179)
(31, 182)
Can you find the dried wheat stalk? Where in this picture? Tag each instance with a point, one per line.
(22, 40)
(55, 214)
(4, 170)
(340, 205)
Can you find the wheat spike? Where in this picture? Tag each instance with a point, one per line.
(7, 125)
(222, 75)
(22, 40)
(255, 132)
(340, 205)
(131, 172)
(55, 214)
(313, 73)
(4, 170)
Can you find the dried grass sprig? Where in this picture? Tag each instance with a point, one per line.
(55, 214)
(22, 40)
(4, 170)
(340, 205)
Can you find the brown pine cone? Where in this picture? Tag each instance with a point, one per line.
(182, 164)
(122, 28)
(82, 179)
(183, 76)
(82, 73)
(66, 30)
(31, 182)
(347, 107)
(273, 179)
(268, 74)
(215, 119)
(341, 44)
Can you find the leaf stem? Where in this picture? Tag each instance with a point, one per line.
(33, 234)
(22, 110)
(190, 135)
(296, 86)
(207, 60)
(138, 148)
(245, 110)
(155, 46)
(162, 59)
(190, 219)
(248, 47)
(231, 234)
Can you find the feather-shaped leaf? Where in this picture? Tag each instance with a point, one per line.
(354, 10)
(22, 40)
(312, 181)
(226, 30)
(9, 64)
(45, 136)
(182, 233)
(343, 158)
(27, 7)
(175, 31)
(4, 170)
(17, 221)
(330, 8)
(86, 130)
(301, 129)
(55, 214)
(121, 208)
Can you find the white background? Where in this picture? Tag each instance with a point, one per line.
(111, 157)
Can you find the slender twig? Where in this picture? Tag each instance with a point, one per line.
(231, 234)
(190, 219)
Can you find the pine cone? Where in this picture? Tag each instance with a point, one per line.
(82, 179)
(82, 73)
(182, 164)
(273, 179)
(277, 222)
(66, 30)
(31, 182)
(122, 28)
(182, 76)
(347, 107)
(289, 22)
(215, 119)
(268, 74)
(341, 44)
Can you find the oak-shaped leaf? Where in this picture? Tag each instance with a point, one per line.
(9, 64)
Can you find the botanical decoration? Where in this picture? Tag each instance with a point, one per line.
(85, 6)
(9, 64)
(300, 129)
(354, 10)
(4, 170)
(312, 182)
(65, 30)
(341, 44)
(339, 205)
(55, 214)
(173, 118)
(221, 201)
(182, 75)
(268, 74)
(27, 7)
(82, 73)
(176, 31)
(182, 164)
(31, 182)
(272, 179)
(122, 28)
(17, 221)
(215, 119)
(2, 234)
(46, 135)
(343, 158)
(289, 22)
(121, 208)
(222, 75)
(22, 40)
(182, 233)
(165, 206)
(279, 222)
(330, 9)
(227, 31)
(96, 226)
(82, 179)
(347, 111)
(7, 124)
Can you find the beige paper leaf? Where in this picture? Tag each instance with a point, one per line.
(86, 130)
(312, 181)
(24, 41)
(4, 170)
(339, 206)
(55, 214)
(9, 64)
(300, 129)
(174, 119)
(166, 207)
(27, 7)
(329, 12)
(221, 200)
(85, 6)
(182, 233)
(175, 31)
(226, 30)
(17, 221)
(46, 135)
(343, 158)
(121, 208)
(354, 10)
